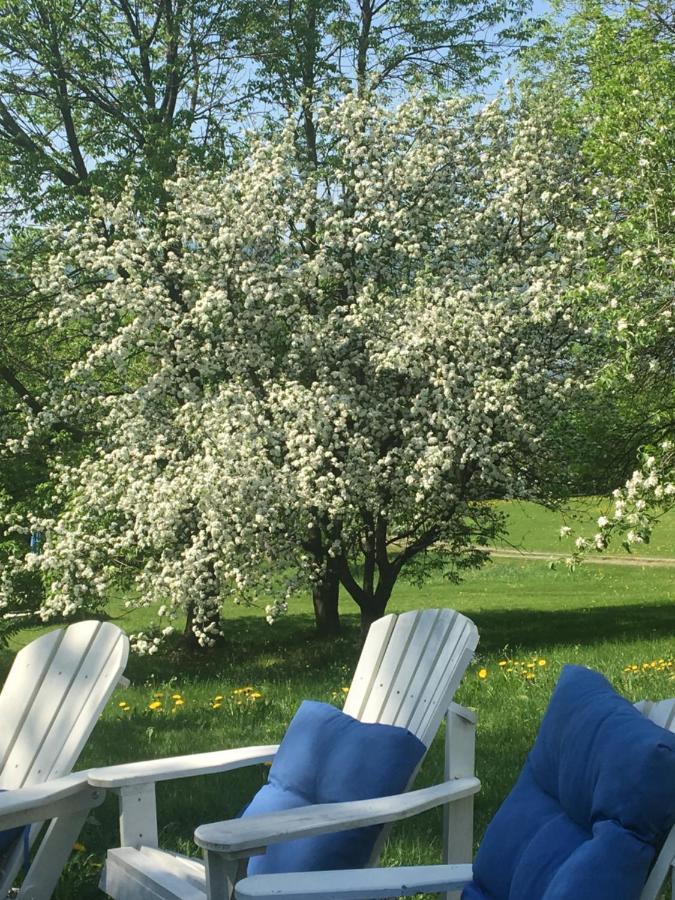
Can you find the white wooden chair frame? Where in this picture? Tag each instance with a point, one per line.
(369, 884)
(49, 704)
(408, 672)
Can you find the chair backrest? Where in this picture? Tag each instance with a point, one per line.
(410, 667)
(662, 713)
(52, 698)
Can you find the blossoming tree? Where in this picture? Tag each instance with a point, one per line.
(312, 379)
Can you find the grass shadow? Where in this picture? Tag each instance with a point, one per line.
(533, 629)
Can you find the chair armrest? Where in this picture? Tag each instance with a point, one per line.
(38, 802)
(253, 833)
(355, 884)
(152, 770)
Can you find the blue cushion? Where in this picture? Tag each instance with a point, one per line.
(593, 802)
(328, 757)
(10, 835)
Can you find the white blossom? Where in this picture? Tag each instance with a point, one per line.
(273, 361)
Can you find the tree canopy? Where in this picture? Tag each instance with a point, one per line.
(312, 381)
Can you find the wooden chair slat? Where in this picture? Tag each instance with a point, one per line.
(368, 665)
(663, 714)
(400, 641)
(49, 705)
(43, 722)
(426, 643)
(83, 704)
(456, 654)
(19, 690)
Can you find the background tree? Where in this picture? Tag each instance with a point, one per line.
(302, 51)
(611, 73)
(319, 404)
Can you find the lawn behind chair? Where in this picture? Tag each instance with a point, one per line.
(617, 619)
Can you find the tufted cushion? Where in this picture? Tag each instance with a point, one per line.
(328, 757)
(595, 798)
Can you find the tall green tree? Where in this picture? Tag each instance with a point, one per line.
(303, 50)
(610, 70)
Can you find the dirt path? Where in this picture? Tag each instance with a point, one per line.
(588, 560)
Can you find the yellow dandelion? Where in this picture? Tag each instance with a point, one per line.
(529, 676)
(176, 697)
(542, 662)
(503, 662)
(79, 847)
(255, 695)
(482, 673)
(123, 705)
(216, 705)
(345, 690)
(156, 704)
(179, 702)
(218, 698)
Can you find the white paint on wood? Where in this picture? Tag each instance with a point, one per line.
(237, 836)
(192, 870)
(52, 855)
(24, 804)
(49, 704)
(368, 665)
(89, 692)
(662, 713)
(400, 640)
(62, 701)
(454, 658)
(221, 875)
(19, 690)
(354, 884)
(89, 689)
(138, 816)
(460, 759)
(660, 870)
(153, 770)
(132, 875)
(417, 660)
(43, 722)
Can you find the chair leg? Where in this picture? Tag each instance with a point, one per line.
(53, 854)
(221, 875)
(460, 762)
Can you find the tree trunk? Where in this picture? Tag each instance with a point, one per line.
(373, 609)
(189, 639)
(325, 597)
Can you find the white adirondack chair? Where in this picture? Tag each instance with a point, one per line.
(369, 884)
(51, 700)
(407, 674)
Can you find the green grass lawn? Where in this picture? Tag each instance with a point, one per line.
(531, 618)
(532, 527)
